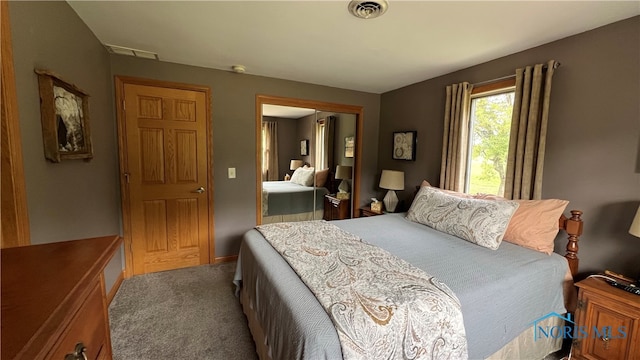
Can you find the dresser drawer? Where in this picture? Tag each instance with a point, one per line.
(88, 326)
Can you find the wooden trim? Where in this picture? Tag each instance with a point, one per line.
(493, 86)
(114, 289)
(120, 82)
(573, 227)
(223, 259)
(15, 216)
(318, 106)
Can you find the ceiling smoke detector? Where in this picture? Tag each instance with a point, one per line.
(239, 69)
(368, 9)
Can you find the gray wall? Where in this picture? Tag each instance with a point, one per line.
(73, 199)
(592, 142)
(233, 117)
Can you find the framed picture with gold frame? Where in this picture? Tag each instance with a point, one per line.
(64, 112)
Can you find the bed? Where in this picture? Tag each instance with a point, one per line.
(498, 307)
(289, 201)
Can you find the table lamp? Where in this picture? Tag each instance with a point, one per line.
(391, 180)
(293, 166)
(343, 173)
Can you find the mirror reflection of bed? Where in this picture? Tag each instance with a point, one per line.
(306, 154)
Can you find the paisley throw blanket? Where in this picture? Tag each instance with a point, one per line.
(382, 306)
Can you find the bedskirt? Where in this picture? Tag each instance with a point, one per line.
(522, 347)
(305, 216)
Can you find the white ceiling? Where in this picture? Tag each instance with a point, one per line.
(285, 111)
(319, 42)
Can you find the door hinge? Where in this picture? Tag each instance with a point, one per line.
(124, 105)
(126, 177)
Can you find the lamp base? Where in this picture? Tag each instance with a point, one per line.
(344, 186)
(390, 201)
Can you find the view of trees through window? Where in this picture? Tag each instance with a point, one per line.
(489, 143)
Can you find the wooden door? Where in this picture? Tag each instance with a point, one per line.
(167, 176)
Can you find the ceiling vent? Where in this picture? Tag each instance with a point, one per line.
(368, 9)
(121, 50)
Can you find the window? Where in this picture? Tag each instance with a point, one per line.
(489, 130)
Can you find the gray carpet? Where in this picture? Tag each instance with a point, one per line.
(181, 314)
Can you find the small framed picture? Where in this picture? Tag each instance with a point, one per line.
(348, 146)
(304, 147)
(404, 145)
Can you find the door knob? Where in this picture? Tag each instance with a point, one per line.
(199, 190)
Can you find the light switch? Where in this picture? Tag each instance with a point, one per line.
(232, 173)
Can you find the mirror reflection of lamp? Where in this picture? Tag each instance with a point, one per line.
(343, 173)
(391, 180)
(293, 166)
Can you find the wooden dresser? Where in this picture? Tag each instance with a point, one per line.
(609, 310)
(54, 298)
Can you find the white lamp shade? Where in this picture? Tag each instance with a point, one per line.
(343, 172)
(392, 180)
(296, 164)
(635, 225)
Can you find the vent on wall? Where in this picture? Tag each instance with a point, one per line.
(121, 50)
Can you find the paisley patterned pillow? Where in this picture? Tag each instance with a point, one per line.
(482, 222)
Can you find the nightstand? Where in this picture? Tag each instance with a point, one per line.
(366, 211)
(607, 322)
(336, 209)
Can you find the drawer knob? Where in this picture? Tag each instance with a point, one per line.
(78, 353)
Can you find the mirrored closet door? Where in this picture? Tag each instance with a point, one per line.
(307, 156)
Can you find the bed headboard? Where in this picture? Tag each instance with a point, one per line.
(573, 227)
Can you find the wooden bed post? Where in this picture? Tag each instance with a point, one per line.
(573, 227)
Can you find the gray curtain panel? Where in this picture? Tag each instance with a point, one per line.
(455, 137)
(529, 131)
(270, 154)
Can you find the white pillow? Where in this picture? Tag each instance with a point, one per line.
(303, 176)
(482, 222)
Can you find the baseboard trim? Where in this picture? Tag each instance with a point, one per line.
(225, 259)
(115, 287)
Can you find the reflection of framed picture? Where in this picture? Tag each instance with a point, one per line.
(404, 145)
(64, 111)
(304, 147)
(348, 146)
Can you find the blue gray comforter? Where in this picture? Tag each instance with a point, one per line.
(502, 292)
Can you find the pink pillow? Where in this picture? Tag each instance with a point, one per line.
(534, 224)
(321, 177)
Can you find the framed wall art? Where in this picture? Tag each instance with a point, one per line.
(404, 145)
(64, 111)
(349, 142)
(304, 147)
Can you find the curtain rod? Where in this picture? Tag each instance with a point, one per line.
(555, 66)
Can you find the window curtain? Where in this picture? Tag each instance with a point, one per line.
(329, 126)
(529, 131)
(270, 151)
(455, 137)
